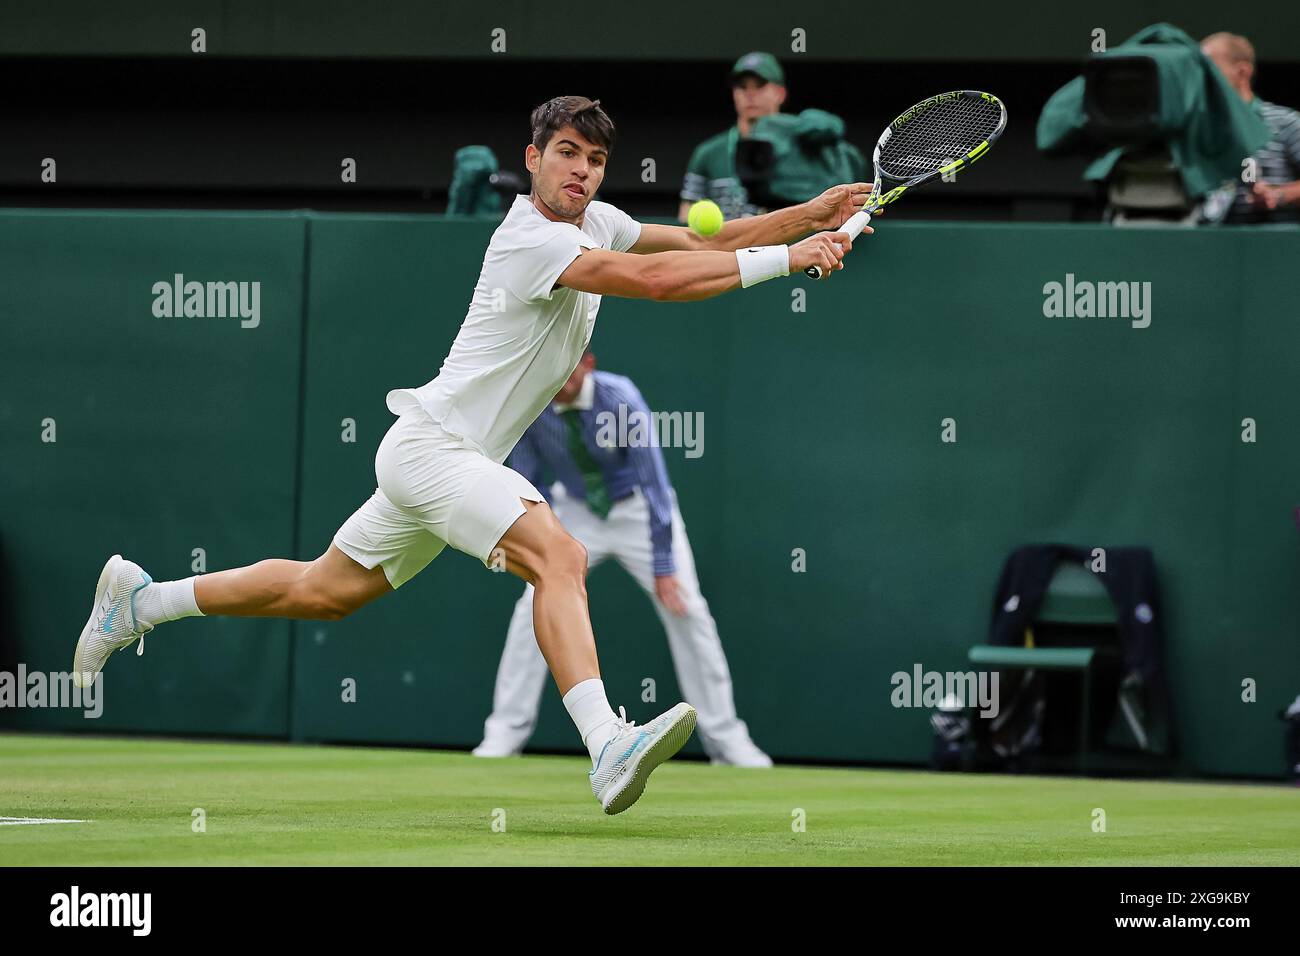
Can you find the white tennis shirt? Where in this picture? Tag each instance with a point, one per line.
(522, 338)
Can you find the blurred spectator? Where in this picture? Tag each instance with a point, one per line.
(617, 500)
(477, 184)
(768, 159)
(1275, 195)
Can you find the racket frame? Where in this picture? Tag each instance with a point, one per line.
(877, 201)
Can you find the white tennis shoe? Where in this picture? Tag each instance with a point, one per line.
(633, 752)
(497, 747)
(743, 754)
(112, 625)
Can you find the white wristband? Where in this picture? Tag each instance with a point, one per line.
(762, 263)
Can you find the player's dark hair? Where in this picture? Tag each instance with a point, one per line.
(584, 115)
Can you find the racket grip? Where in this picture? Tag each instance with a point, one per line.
(853, 226)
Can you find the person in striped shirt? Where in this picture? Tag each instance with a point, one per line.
(614, 496)
(1274, 196)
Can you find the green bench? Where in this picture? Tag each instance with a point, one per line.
(990, 656)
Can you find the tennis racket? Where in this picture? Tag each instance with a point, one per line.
(936, 137)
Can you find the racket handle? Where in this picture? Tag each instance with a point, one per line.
(853, 226)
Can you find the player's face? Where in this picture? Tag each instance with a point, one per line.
(755, 97)
(568, 173)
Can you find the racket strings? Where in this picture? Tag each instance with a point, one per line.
(940, 135)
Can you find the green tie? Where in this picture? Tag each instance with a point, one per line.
(597, 494)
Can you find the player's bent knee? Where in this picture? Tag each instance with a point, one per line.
(322, 607)
(317, 603)
(333, 609)
(575, 556)
(564, 557)
(334, 586)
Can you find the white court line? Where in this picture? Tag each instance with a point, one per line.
(32, 821)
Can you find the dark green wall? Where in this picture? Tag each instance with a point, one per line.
(822, 432)
(172, 434)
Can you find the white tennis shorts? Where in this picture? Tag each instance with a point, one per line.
(434, 490)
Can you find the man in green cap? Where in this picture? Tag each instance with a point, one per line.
(769, 159)
(757, 89)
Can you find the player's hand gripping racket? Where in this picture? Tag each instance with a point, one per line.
(936, 137)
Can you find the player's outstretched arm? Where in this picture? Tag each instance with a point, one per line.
(830, 210)
(688, 276)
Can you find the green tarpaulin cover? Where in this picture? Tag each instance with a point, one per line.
(1210, 129)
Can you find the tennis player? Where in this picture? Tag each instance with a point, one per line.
(439, 468)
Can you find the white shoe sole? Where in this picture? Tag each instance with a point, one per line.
(495, 753)
(663, 749)
(105, 576)
(742, 764)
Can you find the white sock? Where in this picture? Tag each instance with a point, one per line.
(590, 710)
(164, 601)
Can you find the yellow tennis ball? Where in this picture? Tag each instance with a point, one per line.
(705, 217)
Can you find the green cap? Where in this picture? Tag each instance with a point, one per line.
(762, 65)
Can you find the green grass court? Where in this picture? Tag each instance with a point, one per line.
(290, 805)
